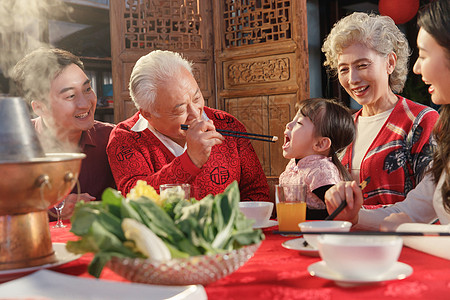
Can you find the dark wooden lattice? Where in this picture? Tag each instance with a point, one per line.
(250, 22)
(162, 24)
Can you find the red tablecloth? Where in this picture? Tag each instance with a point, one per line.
(278, 273)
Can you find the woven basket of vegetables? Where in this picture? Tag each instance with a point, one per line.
(169, 241)
(202, 269)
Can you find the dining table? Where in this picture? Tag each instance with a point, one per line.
(276, 272)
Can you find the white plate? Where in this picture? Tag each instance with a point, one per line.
(269, 223)
(298, 244)
(397, 272)
(434, 245)
(62, 257)
(45, 284)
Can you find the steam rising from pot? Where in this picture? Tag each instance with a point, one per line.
(24, 28)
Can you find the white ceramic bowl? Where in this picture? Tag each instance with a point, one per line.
(360, 256)
(260, 211)
(330, 225)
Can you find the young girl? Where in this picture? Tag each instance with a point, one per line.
(320, 129)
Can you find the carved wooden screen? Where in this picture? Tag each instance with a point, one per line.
(262, 67)
(258, 49)
(140, 26)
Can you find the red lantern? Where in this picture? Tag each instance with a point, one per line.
(401, 11)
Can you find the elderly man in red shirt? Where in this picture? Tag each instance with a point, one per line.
(151, 145)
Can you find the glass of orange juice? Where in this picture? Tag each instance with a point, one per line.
(291, 206)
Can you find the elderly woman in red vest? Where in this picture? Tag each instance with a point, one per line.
(393, 145)
(430, 200)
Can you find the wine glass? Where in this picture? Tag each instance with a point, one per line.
(58, 207)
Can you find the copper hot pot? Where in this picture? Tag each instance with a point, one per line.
(30, 183)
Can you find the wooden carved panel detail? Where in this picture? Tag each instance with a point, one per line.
(200, 75)
(281, 110)
(252, 112)
(249, 22)
(162, 24)
(127, 69)
(261, 70)
(266, 115)
(199, 70)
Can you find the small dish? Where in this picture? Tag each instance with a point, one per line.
(320, 269)
(322, 225)
(259, 211)
(62, 257)
(299, 244)
(268, 224)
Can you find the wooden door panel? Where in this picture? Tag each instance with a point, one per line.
(261, 53)
(252, 112)
(265, 115)
(281, 111)
(125, 107)
(141, 26)
(205, 80)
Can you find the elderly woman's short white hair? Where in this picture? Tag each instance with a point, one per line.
(150, 71)
(375, 32)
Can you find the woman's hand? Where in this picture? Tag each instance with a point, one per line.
(391, 222)
(348, 191)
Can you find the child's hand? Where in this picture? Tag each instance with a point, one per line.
(348, 191)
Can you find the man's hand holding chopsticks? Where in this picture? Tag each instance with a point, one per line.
(200, 138)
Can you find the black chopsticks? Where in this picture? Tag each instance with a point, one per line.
(344, 203)
(246, 135)
(373, 233)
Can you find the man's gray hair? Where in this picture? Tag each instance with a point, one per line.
(151, 70)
